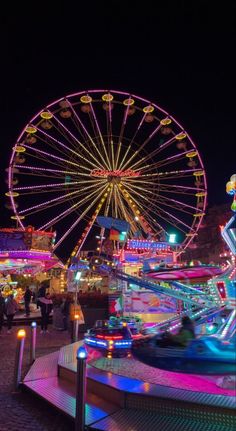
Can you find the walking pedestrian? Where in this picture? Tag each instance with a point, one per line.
(27, 298)
(2, 309)
(10, 309)
(46, 305)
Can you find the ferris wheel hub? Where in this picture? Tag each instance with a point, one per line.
(114, 174)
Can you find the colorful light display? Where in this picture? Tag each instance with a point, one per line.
(106, 163)
(229, 231)
(140, 244)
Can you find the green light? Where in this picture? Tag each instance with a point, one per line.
(78, 275)
(172, 238)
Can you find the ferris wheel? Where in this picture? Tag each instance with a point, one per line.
(110, 153)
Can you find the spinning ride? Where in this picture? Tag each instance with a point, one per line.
(108, 153)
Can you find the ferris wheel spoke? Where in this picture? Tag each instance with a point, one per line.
(44, 205)
(151, 154)
(55, 144)
(122, 210)
(78, 219)
(96, 136)
(141, 147)
(168, 161)
(77, 141)
(71, 209)
(70, 151)
(108, 163)
(48, 186)
(27, 170)
(60, 159)
(169, 188)
(163, 199)
(109, 121)
(106, 211)
(43, 159)
(171, 174)
(177, 205)
(132, 186)
(88, 135)
(124, 213)
(115, 201)
(56, 201)
(46, 170)
(121, 136)
(132, 200)
(155, 205)
(140, 180)
(117, 154)
(174, 221)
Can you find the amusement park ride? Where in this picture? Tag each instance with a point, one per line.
(113, 164)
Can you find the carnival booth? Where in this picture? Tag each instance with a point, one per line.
(26, 259)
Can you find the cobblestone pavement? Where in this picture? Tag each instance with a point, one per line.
(21, 411)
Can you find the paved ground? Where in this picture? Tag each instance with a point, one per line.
(21, 410)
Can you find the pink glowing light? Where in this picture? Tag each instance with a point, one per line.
(116, 173)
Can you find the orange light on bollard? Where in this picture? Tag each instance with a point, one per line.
(19, 357)
(21, 333)
(76, 327)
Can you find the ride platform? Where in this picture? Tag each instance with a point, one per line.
(124, 394)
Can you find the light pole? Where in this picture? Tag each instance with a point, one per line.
(76, 327)
(77, 279)
(80, 389)
(19, 357)
(33, 341)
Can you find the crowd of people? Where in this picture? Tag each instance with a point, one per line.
(44, 302)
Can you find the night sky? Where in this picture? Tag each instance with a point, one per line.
(179, 54)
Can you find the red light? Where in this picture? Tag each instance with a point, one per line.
(110, 337)
(221, 289)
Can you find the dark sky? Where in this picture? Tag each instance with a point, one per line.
(179, 54)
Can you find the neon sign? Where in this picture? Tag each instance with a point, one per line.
(141, 244)
(116, 173)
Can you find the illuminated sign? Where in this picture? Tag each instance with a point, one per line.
(16, 239)
(140, 244)
(116, 173)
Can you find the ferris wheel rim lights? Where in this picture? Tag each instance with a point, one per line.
(87, 97)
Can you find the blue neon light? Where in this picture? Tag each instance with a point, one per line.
(124, 344)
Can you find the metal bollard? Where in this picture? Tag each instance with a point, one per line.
(33, 341)
(76, 328)
(19, 356)
(80, 389)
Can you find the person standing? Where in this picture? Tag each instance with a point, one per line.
(2, 309)
(10, 309)
(46, 305)
(65, 308)
(41, 294)
(27, 299)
